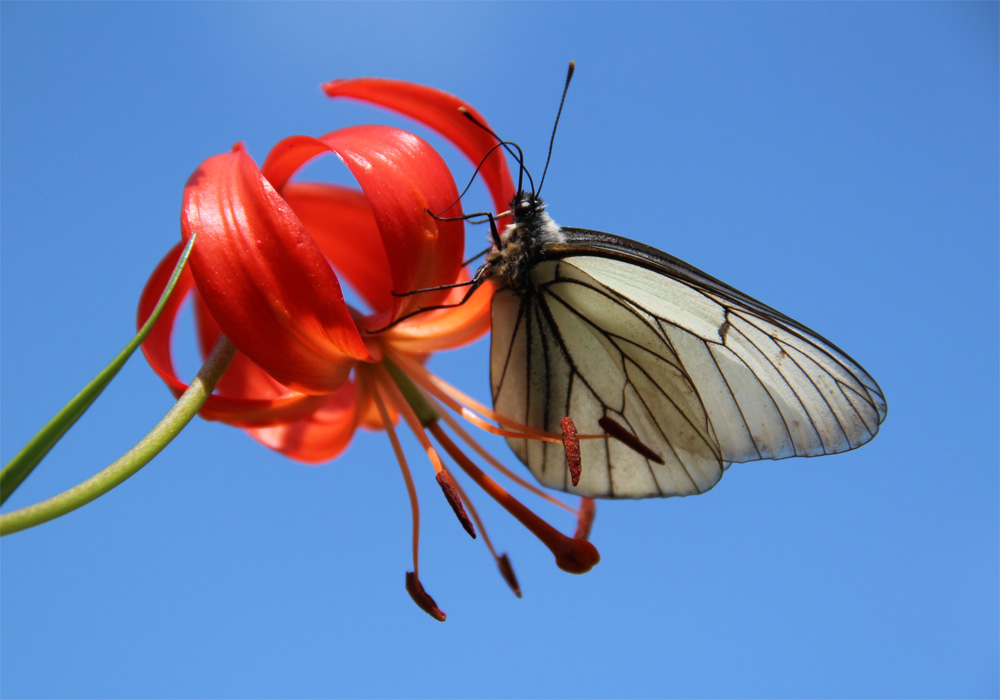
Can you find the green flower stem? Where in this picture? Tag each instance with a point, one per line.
(180, 415)
(18, 468)
(426, 413)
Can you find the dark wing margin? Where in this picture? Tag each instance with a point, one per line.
(773, 387)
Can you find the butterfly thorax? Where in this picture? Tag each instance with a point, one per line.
(522, 244)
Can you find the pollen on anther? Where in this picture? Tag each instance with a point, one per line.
(620, 433)
(422, 598)
(507, 571)
(571, 443)
(447, 484)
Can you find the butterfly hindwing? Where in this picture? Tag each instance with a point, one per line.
(576, 350)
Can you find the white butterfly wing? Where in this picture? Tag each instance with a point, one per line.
(700, 373)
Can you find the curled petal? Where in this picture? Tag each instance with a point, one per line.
(341, 222)
(444, 329)
(242, 379)
(322, 435)
(404, 181)
(270, 403)
(439, 111)
(263, 278)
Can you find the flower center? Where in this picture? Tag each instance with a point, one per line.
(400, 382)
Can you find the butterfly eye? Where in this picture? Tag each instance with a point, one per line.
(524, 206)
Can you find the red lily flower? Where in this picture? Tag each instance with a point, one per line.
(310, 369)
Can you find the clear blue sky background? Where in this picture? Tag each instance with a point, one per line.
(838, 161)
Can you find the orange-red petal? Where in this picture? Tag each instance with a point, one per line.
(444, 329)
(341, 221)
(439, 111)
(405, 182)
(322, 435)
(268, 402)
(265, 281)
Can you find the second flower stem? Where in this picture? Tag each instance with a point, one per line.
(170, 425)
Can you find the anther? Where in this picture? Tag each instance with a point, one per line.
(507, 571)
(421, 597)
(574, 556)
(447, 484)
(571, 443)
(585, 519)
(617, 431)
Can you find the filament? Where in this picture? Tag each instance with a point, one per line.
(406, 411)
(468, 407)
(576, 556)
(499, 466)
(411, 489)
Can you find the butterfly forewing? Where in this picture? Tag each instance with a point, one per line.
(794, 393)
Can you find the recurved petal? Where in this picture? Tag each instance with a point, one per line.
(322, 435)
(447, 328)
(439, 111)
(264, 280)
(404, 180)
(341, 222)
(246, 396)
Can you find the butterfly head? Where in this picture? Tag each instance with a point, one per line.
(525, 206)
(522, 242)
(532, 225)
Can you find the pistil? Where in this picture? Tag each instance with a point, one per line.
(577, 556)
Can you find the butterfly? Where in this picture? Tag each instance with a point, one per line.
(668, 374)
(680, 373)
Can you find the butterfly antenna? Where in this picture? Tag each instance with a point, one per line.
(507, 146)
(569, 76)
(500, 144)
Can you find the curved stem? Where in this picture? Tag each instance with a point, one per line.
(180, 415)
(18, 469)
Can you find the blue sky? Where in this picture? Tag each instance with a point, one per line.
(837, 161)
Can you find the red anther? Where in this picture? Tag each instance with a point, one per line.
(421, 598)
(577, 556)
(571, 443)
(507, 571)
(620, 433)
(447, 484)
(585, 519)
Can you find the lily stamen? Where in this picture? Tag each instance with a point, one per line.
(422, 413)
(585, 519)
(571, 443)
(456, 427)
(501, 559)
(507, 571)
(620, 433)
(422, 598)
(468, 407)
(450, 488)
(411, 489)
(444, 478)
(576, 556)
(413, 585)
